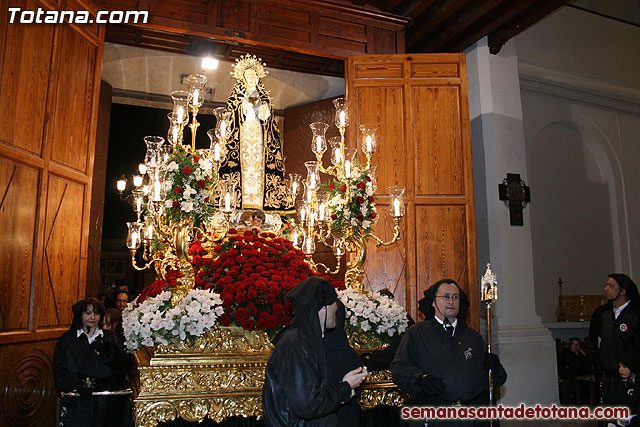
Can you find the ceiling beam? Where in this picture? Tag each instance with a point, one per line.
(446, 22)
(435, 39)
(500, 36)
(413, 9)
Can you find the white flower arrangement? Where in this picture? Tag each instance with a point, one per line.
(154, 321)
(373, 312)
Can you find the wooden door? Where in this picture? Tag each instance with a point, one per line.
(420, 103)
(49, 83)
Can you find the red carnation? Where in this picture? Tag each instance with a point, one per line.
(225, 320)
(178, 190)
(360, 200)
(261, 323)
(373, 215)
(247, 324)
(270, 298)
(200, 183)
(241, 297)
(175, 204)
(361, 185)
(332, 186)
(288, 307)
(343, 188)
(241, 314)
(252, 309)
(360, 217)
(334, 216)
(371, 199)
(277, 309)
(285, 320)
(196, 158)
(252, 294)
(227, 299)
(187, 170)
(273, 321)
(240, 259)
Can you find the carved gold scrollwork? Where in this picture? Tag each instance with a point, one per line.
(193, 410)
(365, 341)
(150, 414)
(384, 396)
(219, 340)
(236, 406)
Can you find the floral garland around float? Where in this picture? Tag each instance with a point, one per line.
(374, 312)
(153, 321)
(188, 186)
(359, 213)
(253, 271)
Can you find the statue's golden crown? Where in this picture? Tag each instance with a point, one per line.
(247, 62)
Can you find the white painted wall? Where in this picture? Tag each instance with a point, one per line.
(581, 116)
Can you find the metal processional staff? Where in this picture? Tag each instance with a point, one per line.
(489, 297)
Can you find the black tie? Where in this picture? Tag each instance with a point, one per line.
(448, 326)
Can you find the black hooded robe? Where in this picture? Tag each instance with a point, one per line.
(74, 359)
(297, 388)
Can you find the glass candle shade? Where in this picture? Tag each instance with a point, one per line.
(349, 163)
(223, 122)
(342, 110)
(181, 101)
(137, 199)
(216, 147)
(152, 156)
(308, 244)
(227, 196)
(294, 183)
(121, 184)
(313, 175)
(336, 153)
(134, 237)
(318, 140)
(396, 201)
(196, 84)
(368, 134)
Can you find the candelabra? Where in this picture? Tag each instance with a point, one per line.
(175, 193)
(341, 214)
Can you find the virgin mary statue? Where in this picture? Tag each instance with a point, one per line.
(254, 158)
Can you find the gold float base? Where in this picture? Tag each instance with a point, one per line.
(218, 376)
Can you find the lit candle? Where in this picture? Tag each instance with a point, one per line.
(321, 212)
(294, 187)
(150, 232)
(223, 129)
(135, 239)
(180, 114)
(227, 202)
(137, 180)
(396, 207)
(318, 144)
(347, 169)
(342, 120)
(196, 94)
(216, 152)
(368, 143)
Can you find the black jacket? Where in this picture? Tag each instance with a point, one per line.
(298, 390)
(620, 339)
(427, 348)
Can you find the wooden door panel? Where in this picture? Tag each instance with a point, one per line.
(62, 274)
(73, 107)
(438, 148)
(18, 188)
(441, 245)
(26, 381)
(383, 106)
(386, 267)
(24, 81)
(419, 102)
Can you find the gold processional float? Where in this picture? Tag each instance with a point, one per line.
(215, 224)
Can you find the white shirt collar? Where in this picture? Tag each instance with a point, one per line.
(454, 323)
(617, 311)
(92, 338)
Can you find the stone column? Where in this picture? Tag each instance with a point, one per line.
(524, 345)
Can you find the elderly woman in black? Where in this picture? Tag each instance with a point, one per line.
(87, 359)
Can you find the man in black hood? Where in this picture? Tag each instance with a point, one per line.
(441, 361)
(619, 332)
(297, 388)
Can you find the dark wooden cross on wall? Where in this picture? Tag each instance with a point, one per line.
(515, 195)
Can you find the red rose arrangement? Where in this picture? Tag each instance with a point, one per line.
(253, 271)
(158, 286)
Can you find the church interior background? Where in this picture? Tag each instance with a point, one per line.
(559, 104)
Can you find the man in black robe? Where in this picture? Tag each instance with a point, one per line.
(297, 388)
(619, 335)
(441, 361)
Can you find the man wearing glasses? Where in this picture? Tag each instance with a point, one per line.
(441, 361)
